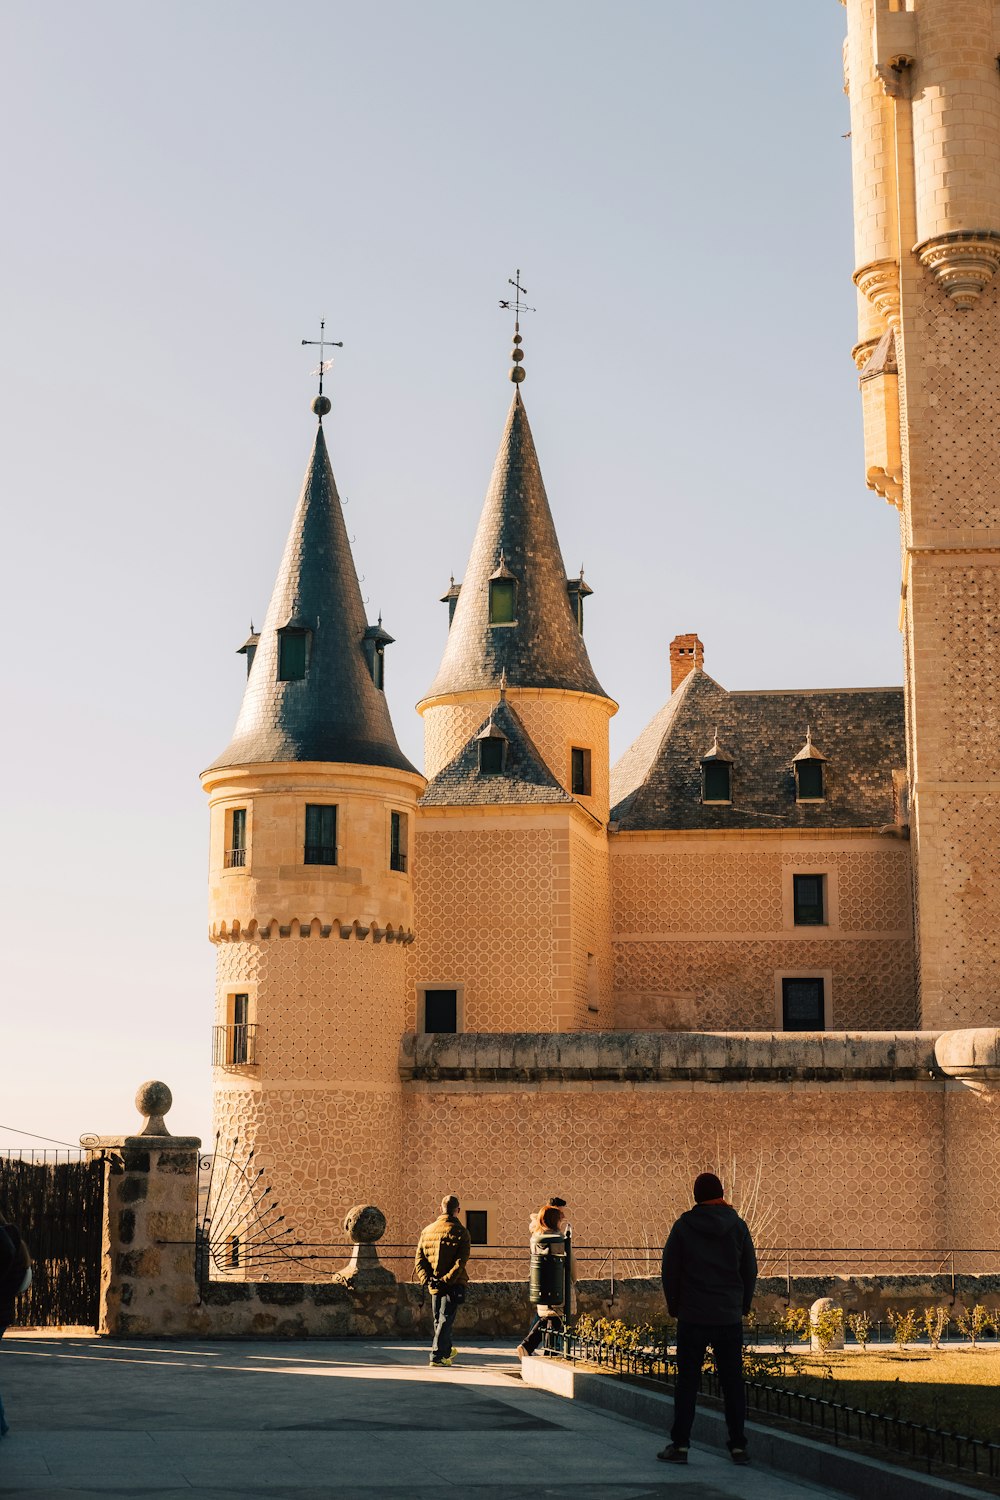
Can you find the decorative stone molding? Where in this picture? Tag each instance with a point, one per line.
(879, 282)
(962, 261)
(862, 353)
(223, 932)
(894, 76)
(972, 1056)
(888, 484)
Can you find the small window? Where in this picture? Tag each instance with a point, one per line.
(291, 655)
(321, 834)
(716, 781)
(233, 1251)
(440, 1011)
(579, 765)
(476, 1222)
(397, 841)
(239, 1049)
(802, 1007)
(503, 596)
(809, 781)
(236, 847)
(378, 666)
(492, 754)
(808, 900)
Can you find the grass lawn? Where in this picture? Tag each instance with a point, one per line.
(957, 1390)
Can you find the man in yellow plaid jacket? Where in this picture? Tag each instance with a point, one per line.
(440, 1263)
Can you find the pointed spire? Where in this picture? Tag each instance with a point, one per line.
(311, 695)
(516, 549)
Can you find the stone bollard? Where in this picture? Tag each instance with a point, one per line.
(365, 1224)
(820, 1344)
(148, 1280)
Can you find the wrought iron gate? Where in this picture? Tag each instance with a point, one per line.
(55, 1198)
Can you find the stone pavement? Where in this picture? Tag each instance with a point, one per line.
(324, 1418)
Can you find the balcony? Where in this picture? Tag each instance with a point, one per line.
(397, 861)
(235, 859)
(234, 1046)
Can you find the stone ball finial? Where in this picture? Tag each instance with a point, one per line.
(364, 1223)
(516, 374)
(153, 1100)
(321, 405)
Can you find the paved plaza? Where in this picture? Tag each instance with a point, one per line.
(279, 1420)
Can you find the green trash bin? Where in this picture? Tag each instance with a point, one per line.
(547, 1284)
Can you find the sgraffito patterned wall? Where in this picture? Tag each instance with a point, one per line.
(700, 932)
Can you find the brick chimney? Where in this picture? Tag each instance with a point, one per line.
(686, 653)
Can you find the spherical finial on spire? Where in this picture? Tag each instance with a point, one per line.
(320, 405)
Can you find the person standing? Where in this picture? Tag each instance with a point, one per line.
(442, 1255)
(709, 1275)
(548, 1239)
(15, 1277)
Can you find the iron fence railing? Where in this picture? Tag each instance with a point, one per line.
(917, 1441)
(234, 1046)
(235, 858)
(397, 861)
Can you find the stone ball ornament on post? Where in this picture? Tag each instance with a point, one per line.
(153, 1100)
(365, 1225)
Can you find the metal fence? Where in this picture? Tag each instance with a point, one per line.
(56, 1200)
(930, 1446)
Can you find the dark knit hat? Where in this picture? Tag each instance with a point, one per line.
(706, 1187)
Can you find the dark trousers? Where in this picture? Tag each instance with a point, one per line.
(444, 1306)
(726, 1340)
(539, 1328)
(3, 1420)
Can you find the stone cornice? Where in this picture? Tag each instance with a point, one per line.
(963, 262)
(223, 932)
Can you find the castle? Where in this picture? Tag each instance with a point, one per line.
(771, 931)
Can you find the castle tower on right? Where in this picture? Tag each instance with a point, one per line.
(924, 86)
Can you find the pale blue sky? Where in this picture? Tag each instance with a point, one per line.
(188, 188)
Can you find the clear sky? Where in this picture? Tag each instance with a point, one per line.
(187, 189)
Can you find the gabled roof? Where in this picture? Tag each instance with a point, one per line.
(543, 647)
(657, 782)
(335, 712)
(526, 779)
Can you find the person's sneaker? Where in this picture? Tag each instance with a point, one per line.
(739, 1455)
(436, 1364)
(449, 1359)
(673, 1455)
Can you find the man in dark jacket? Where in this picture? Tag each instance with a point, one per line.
(442, 1255)
(709, 1275)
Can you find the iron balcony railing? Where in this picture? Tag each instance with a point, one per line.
(397, 860)
(235, 858)
(234, 1046)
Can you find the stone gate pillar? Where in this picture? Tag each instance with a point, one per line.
(148, 1278)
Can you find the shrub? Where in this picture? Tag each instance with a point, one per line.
(860, 1325)
(904, 1326)
(795, 1324)
(936, 1320)
(973, 1323)
(828, 1328)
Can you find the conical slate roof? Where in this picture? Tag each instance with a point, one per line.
(335, 712)
(543, 648)
(525, 778)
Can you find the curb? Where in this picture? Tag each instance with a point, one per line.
(818, 1463)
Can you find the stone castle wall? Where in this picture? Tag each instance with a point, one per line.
(702, 930)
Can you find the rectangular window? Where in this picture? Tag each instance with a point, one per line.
(291, 655)
(808, 899)
(440, 1011)
(397, 841)
(477, 1225)
(491, 755)
(502, 599)
(238, 1047)
(802, 1005)
(716, 781)
(236, 848)
(579, 769)
(809, 781)
(321, 834)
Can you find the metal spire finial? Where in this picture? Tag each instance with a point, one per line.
(515, 305)
(321, 404)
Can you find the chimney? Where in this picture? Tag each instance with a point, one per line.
(686, 653)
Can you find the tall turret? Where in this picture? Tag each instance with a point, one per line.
(515, 719)
(310, 899)
(925, 120)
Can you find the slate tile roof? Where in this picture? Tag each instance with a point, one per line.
(526, 778)
(657, 782)
(544, 647)
(335, 712)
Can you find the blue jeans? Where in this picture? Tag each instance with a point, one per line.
(726, 1340)
(444, 1306)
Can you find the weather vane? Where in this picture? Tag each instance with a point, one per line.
(517, 307)
(324, 343)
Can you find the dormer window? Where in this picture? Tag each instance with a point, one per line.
(292, 653)
(375, 641)
(578, 590)
(809, 766)
(451, 598)
(492, 751)
(716, 776)
(503, 596)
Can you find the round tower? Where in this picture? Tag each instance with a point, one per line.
(310, 901)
